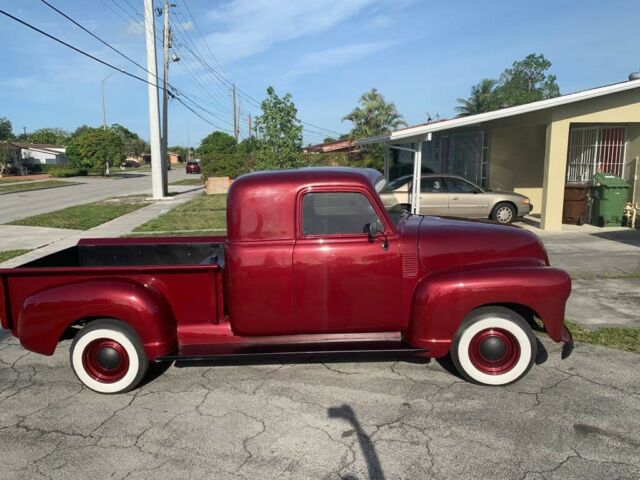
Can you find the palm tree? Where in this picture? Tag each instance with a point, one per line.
(482, 99)
(374, 116)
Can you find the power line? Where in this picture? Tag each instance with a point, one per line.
(95, 36)
(107, 64)
(82, 52)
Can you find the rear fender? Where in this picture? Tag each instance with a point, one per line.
(441, 302)
(44, 316)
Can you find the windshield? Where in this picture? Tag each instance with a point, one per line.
(381, 183)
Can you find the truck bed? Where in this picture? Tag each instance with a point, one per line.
(186, 271)
(119, 252)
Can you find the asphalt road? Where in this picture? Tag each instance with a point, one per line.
(20, 205)
(572, 419)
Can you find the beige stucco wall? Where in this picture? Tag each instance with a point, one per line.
(516, 161)
(632, 166)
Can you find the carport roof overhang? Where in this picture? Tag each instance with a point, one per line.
(423, 130)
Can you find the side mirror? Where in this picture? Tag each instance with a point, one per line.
(372, 231)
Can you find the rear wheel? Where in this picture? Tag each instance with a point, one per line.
(493, 346)
(107, 356)
(503, 213)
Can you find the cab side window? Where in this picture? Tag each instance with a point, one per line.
(457, 185)
(336, 213)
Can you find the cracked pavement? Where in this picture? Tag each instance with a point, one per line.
(340, 418)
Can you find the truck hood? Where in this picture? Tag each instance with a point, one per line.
(449, 244)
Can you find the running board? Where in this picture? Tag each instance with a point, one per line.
(195, 353)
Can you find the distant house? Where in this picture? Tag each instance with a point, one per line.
(174, 157)
(40, 154)
(344, 146)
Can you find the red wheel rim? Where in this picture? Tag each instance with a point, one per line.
(494, 351)
(105, 360)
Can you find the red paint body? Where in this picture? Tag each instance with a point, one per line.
(280, 286)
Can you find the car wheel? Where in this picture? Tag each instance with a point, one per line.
(107, 356)
(494, 346)
(503, 213)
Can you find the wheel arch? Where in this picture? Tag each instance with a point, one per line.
(50, 315)
(499, 202)
(442, 302)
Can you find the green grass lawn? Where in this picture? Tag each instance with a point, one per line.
(7, 254)
(19, 186)
(202, 216)
(627, 339)
(84, 217)
(188, 181)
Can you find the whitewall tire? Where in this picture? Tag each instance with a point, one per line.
(107, 356)
(494, 346)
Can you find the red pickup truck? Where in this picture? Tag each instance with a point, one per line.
(312, 262)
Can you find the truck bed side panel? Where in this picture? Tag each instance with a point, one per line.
(157, 302)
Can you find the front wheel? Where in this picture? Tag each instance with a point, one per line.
(107, 356)
(504, 213)
(493, 346)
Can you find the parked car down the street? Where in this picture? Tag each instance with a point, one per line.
(454, 196)
(193, 167)
(130, 163)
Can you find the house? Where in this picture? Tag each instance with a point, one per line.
(174, 157)
(344, 146)
(533, 149)
(34, 154)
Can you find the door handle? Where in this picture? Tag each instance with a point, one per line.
(455, 198)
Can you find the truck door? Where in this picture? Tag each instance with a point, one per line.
(343, 283)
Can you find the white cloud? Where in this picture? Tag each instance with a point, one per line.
(248, 27)
(342, 55)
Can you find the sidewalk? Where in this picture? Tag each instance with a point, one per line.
(115, 228)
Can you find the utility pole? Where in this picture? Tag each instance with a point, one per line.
(235, 113)
(250, 134)
(188, 142)
(24, 129)
(154, 109)
(166, 43)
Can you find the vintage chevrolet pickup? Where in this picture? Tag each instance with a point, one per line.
(312, 262)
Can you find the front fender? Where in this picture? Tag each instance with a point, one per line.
(441, 302)
(45, 315)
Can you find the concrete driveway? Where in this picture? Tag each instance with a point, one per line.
(25, 204)
(572, 419)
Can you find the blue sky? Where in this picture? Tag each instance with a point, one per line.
(421, 55)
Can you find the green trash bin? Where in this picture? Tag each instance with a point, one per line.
(609, 196)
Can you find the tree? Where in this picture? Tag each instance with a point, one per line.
(217, 142)
(50, 136)
(6, 129)
(132, 144)
(93, 147)
(527, 81)
(280, 133)
(374, 116)
(482, 99)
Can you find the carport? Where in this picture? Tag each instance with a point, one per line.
(533, 149)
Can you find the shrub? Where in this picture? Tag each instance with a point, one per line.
(226, 165)
(64, 172)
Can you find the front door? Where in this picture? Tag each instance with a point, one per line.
(466, 199)
(343, 283)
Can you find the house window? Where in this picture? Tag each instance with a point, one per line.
(595, 149)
